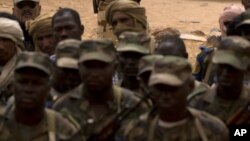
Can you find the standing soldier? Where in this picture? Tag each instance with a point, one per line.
(26, 10)
(229, 94)
(11, 42)
(170, 83)
(66, 76)
(97, 100)
(28, 119)
(104, 30)
(131, 47)
(41, 31)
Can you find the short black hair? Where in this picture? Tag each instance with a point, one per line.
(179, 50)
(73, 12)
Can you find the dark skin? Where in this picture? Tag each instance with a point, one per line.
(31, 88)
(171, 100)
(7, 50)
(97, 78)
(65, 27)
(170, 48)
(246, 4)
(230, 81)
(70, 80)
(129, 62)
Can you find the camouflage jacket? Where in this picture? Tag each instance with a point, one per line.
(199, 126)
(224, 109)
(52, 128)
(78, 110)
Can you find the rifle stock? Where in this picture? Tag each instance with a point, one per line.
(242, 116)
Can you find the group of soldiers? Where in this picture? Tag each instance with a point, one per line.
(124, 86)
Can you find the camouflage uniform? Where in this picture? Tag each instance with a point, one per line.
(52, 127)
(197, 126)
(67, 53)
(132, 42)
(235, 56)
(77, 108)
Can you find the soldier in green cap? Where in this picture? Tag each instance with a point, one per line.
(98, 99)
(66, 76)
(28, 119)
(131, 47)
(229, 94)
(170, 83)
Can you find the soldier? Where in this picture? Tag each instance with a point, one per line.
(28, 119)
(66, 76)
(131, 47)
(66, 24)
(97, 100)
(174, 45)
(170, 83)
(244, 24)
(229, 95)
(246, 4)
(41, 31)
(104, 30)
(26, 10)
(11, 42)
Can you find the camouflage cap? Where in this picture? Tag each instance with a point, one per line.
(101, 50)
(17, 1)
(233, 51)
(170, 70)
(135, 42)
(36, 60)
(245, 19)
(146, 63)
(67, 53)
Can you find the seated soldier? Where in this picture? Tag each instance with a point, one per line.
(229, 94)
(28, 119)
(170, 83)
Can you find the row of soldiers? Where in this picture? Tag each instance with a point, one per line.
(57, 87)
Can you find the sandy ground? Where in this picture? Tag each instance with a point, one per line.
(185, 15)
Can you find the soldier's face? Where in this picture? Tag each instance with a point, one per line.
(245, 32)
(45, 42)
(246, 4)
(96, 75)
(69, 81)
(228, 76)
(171, 98)
(65, 27)
(26, 10)
(7, 50)
(129, 62)
(31, 87)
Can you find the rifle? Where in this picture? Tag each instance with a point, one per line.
(95, 5)
(107, 130)
(242, 116)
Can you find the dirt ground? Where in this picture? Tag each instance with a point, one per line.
(185, 15)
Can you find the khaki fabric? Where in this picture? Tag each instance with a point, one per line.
(11, 130)
(170, 70)
(77, 109)
(199, 126)
(224, 109)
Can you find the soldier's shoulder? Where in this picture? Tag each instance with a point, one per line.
(210, 122)
(64, 129)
